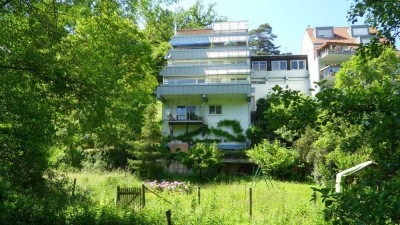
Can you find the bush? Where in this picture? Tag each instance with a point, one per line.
(274, 159)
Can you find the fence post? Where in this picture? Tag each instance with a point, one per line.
(143, 196)
(168, 213)
(118, 195)
(251, 202)
(198, 195)
(73, 190)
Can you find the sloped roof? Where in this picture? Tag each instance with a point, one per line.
(341, 35)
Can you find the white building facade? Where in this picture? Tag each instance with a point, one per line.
(328, 47)
(206, 80)
(286, 71)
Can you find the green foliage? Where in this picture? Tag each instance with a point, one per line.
(255, 134)
(289, 114)
(261, 41)
(203, 156)
(236, 128)
(148, 149)
(383, 15)
(222, 202)
(274, 159)
(366, 70)
(197, 16)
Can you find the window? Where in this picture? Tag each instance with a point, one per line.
(239, 80)
(359, 31)
(185, 112)
(215, 110)
(181, 112)
(279, 65)
(297, 64)
(259, 65)
(324, 32)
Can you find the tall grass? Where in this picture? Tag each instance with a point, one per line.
(220, 203)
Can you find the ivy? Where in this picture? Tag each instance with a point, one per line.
(232, 123)
(237, 129)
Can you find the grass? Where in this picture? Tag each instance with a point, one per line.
(225, 202)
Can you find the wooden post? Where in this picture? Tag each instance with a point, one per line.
(118, 195)
(168, 213)
(198, 195)
(143, 196)
(251, 202)
(73, 188)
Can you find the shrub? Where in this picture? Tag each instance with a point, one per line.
(274, 159)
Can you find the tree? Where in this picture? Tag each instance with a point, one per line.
(359, 122)
(261, 41)
(383, 15)
(274, 159)
(81, 71)
(203, 156)
(197, 16)
(147, 149)
(289, 113)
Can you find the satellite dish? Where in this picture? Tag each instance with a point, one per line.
(168, 111)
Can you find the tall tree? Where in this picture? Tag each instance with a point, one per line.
(383, 15)
(261, 41)
(197, 16)
(147, 149)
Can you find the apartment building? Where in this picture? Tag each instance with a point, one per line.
(206, 79)
(286, 71)
(328, 47)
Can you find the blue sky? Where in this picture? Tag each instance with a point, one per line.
(288, 18)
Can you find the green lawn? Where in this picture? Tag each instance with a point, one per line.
(221, 203)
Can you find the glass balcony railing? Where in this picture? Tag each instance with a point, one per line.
(329, 71)
(337, 49)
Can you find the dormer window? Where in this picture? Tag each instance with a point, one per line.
(357, 31)
(324, 32)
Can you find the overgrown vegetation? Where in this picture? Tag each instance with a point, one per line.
(223, 200)
(353, 122)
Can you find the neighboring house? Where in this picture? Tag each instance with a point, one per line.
(206, 80)
(286, 71)
(328, 47)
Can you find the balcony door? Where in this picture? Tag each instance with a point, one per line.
(186, 112)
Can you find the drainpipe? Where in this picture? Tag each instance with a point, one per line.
(348, 172)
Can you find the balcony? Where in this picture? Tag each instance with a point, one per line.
(198, 70)
(213, 53)
(204, 40)
(336, 53)
(238, 89)
(328, 73)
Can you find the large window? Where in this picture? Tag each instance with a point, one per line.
(215, 110)
(297, 64)
(259, 65)
(279, 65)
(185, 112)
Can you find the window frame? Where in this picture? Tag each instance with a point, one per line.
(256, 65)
(297, 61)
(279, 65)
(215, 110)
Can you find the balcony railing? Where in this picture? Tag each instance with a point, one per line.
(228, 69)
(204, 89)
(329, 71)
(337, 49)
(213, 53)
